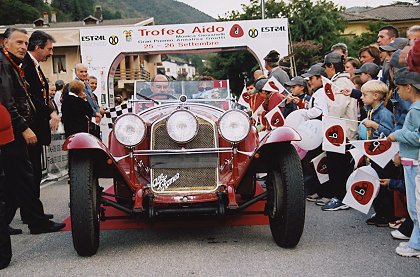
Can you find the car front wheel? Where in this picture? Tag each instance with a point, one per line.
(286, 198)
(84, 205)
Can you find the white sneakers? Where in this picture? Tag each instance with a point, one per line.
(406, 251)
(398, 235)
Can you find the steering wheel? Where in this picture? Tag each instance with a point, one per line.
(156, 96)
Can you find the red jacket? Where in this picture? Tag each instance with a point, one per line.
(6, 130)
(413, 58)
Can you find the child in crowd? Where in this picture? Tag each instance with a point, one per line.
(76, 111)
(299, 97)
(379, 123)
(404, 225)
(408, 83)
(270, 100)
(380, 120)
(317, 107)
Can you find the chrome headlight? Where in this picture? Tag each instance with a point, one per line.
(234, 125)
(182, 126)
(129, 129)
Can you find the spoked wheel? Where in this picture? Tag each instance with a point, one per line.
(286, 198)
(84, 203)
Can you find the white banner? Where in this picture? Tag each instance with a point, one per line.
(101, 47)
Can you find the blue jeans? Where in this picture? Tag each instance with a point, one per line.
(410, 172)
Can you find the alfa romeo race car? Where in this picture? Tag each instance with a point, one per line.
(185, 152)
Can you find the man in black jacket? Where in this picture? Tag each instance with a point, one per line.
(39, 50)
(18, 171)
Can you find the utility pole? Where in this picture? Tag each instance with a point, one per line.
(262, 9)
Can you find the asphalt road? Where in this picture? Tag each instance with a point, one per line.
(333, 244)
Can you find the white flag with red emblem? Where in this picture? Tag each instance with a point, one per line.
(330, 88)
(358, 156)
(256, 114)
(320, 165)
(275, 118)
(273, 85)
(334, 134)
(362, 188)
(244, 98)
(381, 151)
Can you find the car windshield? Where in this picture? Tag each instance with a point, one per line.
(212, 92)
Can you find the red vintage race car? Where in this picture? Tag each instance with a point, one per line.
(191, 153)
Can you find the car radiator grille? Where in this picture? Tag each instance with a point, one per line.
(197, 172)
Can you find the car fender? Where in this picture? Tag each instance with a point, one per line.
(261, 158)
(105, 164)
(281, 134)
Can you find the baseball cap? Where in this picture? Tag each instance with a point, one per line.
(259, 84)
(333, 57)
(298, 80)
(316, 69)
(6, 129)
(272, 56)
(368, 68)
(398, 43)
(395, 60)
(405, 77)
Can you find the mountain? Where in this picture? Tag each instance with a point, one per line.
(163, 11)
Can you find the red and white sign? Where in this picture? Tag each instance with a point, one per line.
(334, 134)
(358, 156)
(257, 113)
(330, 88)
(275, 118)
(273, 85)
(245, 98)
(362, 188)
(380, 151)
(101, 48)
(320, 165)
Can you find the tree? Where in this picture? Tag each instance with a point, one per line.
(15, 11)
(228, 65)
(314, 27)
(320, 21)
(306, 53)
(75, 9)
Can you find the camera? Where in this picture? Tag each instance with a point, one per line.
(243, 75)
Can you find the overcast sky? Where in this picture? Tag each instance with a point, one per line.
(220, 7)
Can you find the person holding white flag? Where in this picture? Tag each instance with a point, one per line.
(299, 97)
(317, 107)
(408, 83)
(379, 123)
(339, 165)
(272, 98)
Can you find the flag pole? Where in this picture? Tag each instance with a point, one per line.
(346, 119)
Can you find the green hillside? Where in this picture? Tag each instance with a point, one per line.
(163, 11)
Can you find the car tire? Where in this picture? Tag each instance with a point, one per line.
(286, 197)
(84, 204)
